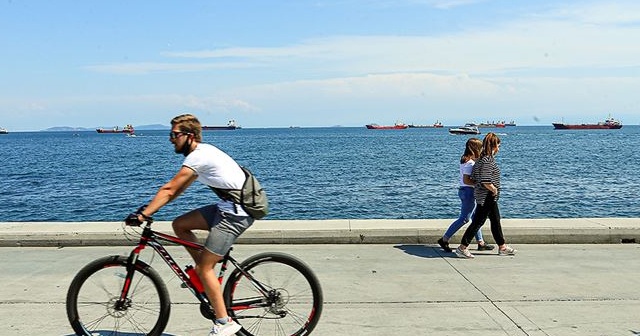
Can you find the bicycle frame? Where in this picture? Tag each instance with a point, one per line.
(153, 238)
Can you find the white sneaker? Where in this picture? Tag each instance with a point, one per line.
(227, 329)
(464, 253)
(508, 250)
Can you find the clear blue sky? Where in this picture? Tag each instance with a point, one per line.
(317, 63)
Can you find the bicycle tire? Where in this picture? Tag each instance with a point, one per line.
(296, 304)
(96, 287)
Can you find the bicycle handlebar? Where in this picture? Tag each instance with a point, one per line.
(132, 219)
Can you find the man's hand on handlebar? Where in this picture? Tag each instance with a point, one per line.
(138, 217)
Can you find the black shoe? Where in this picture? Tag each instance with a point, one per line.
(444, 245)
(485, 247)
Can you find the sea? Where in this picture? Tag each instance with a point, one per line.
(324, 173)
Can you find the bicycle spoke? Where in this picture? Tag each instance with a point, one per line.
(289, 305)
(95, 306)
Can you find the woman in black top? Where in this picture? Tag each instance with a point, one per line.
(487, 191)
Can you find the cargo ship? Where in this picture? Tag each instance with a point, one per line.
(437, 124)
(609, 123)
(493, 124)
(231, 125)
(397, 125)
(116, 129)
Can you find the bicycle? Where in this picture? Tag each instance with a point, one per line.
(269, 293)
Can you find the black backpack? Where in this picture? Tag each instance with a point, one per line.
(251, 197)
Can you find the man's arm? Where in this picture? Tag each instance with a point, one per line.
(172, 189)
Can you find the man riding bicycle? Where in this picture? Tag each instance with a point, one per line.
(224, 220)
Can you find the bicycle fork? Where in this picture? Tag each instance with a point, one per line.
(123, 303)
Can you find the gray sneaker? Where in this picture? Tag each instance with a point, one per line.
(507, 251)
(227, 329)
(485, 247)
(465, 254)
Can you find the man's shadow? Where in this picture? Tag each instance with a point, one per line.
(424, 251)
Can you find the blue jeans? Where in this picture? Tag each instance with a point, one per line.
(466, 211)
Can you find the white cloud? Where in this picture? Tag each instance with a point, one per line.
(557, 39)
(579, 57)
(612, 12)
(375, 86)
(156, 67)
(447, 4)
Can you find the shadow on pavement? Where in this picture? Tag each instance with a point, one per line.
(424, 251)
(109, 332)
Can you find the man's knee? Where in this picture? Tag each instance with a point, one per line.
(179, 225)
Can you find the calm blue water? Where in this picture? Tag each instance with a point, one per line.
(324, 173)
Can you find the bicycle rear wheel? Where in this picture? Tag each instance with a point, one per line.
(94, 306)
(291, 305)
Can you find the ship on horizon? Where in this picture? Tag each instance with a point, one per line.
(609, 123)
(397, 126)
(437, 124)
(127, 129)
(231, 125)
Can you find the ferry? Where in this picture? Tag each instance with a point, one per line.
(231, 125)
(3, 131)
(609, 123)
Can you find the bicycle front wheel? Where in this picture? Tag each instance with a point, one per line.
(94, 305)
(274, 294)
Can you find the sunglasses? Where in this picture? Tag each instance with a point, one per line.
(174, 135)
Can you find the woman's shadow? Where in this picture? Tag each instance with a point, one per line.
(424, 251)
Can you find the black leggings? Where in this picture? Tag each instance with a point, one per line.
(488, 210)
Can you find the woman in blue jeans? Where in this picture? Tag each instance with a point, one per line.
(486, 173)
(472, 151)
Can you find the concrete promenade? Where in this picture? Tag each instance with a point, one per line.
(359, 231)
(379, 277)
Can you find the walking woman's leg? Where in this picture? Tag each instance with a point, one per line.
(467, 204)
(479, 217)
(494, 218)
(479, 237)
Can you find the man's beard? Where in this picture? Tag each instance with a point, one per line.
(184, 150)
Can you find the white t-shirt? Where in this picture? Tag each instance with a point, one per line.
(465, 169)
(216, 169)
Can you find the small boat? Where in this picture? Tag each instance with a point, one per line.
(437, 124)
(231, 125)
(609, 123)
(396, 126)
(127, 129)
(3, 131)
(466, 129)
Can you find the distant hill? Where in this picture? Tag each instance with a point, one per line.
(67, 129)
(152, 127)
(83, 129)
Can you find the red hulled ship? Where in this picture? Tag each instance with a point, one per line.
(609, 123)
(397, 125)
